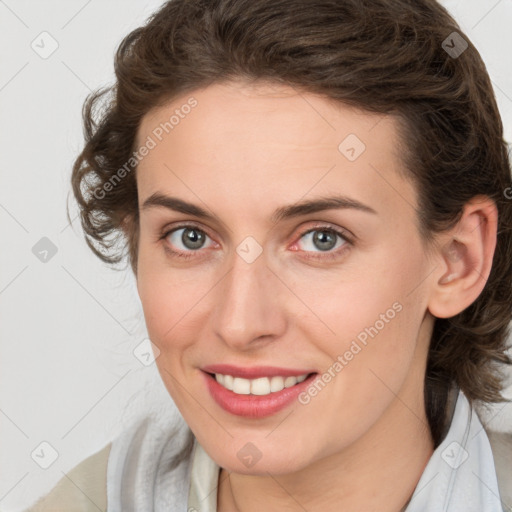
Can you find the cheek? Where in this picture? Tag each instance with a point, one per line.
(373, 310)
(376, 322)
(172, 299)
(168, 305)
(165, 302)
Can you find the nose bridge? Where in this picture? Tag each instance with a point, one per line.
(246, 306)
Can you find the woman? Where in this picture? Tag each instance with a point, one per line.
(313, 198)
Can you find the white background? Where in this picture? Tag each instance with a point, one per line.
(69, 326)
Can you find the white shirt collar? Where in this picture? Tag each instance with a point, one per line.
(460, 475)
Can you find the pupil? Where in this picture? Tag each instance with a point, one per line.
(324, 240)
(192, 238)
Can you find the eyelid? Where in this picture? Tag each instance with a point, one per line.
(327, 226)
(170, 228)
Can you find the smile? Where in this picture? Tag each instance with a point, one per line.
(257, 397)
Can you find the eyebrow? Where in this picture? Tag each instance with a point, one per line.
(285, 212)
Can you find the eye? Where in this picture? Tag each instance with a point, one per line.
(187, 239)
(323, 239)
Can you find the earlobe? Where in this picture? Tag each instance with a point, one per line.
(464, 259)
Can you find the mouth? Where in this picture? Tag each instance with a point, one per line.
(258, 397)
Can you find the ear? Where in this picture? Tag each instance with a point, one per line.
(464, 257)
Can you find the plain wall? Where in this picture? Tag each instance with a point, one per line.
(68, 375)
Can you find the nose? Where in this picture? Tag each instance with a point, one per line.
(249, 310)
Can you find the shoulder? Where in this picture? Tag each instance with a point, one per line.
(83, 488)
(501, 445)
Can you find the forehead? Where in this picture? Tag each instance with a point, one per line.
(261, 113)
(241, 139)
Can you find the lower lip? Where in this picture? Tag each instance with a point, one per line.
(254, 406)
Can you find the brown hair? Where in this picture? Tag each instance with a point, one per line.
(395, 57)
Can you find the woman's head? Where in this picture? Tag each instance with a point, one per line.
(243, 108)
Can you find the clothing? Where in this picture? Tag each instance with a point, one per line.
(459, 477)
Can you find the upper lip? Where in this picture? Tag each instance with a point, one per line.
(254, 372)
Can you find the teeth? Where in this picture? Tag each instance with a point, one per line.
(241, 386)
(260, 386)
(276, 384)
(228, 382)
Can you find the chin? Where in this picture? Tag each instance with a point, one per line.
(258, 458)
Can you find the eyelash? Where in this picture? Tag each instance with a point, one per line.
(328, 255)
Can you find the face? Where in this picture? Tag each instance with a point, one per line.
(279, 237)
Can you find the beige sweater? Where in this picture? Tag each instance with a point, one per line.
(82, 489)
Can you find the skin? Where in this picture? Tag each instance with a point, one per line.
(245, 150)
